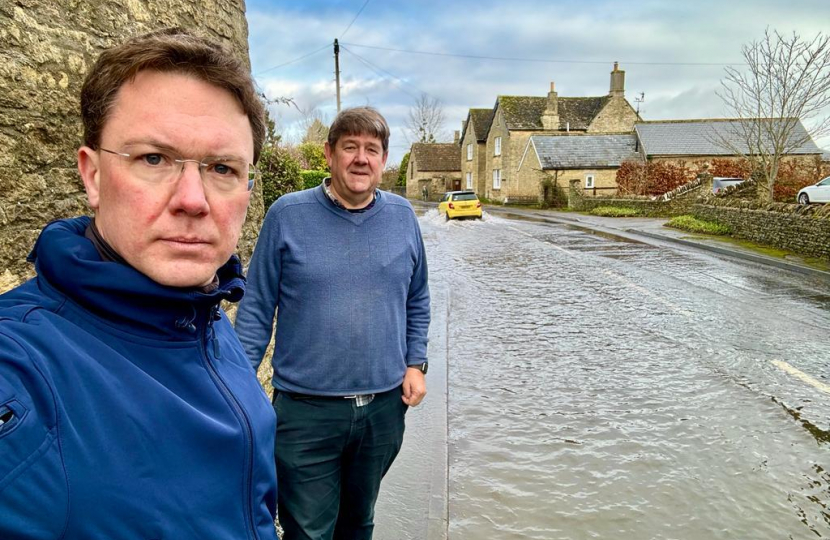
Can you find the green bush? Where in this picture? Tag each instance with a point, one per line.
(312, 179)
(614, 211)
(280, 174)
(313, 156)
(402, 170)
(692, 224)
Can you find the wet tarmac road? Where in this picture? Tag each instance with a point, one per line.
(606, 388)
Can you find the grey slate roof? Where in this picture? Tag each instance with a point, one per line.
(525, 112)
(583, 151)
(825, 155)
(702, 137)
(436, 157)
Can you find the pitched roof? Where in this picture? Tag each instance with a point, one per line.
(705, 137)
(525, 112)
(825, 155)
(436, 156)
(583, 151)
(481, 119)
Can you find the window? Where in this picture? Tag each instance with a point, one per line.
(589, 181)
(470, 152)
(498, 146)
(496, 178)
(469, 180)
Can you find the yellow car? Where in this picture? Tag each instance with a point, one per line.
(460, 204)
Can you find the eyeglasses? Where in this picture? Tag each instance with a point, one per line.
(159, 166)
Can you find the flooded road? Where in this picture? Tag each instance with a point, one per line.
(603, 388)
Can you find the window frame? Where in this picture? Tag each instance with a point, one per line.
(469, 179)
(497, 145)
(590, 181)
(496, 178)
(469, 151)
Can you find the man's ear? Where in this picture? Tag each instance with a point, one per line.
(327, 150)
(90, 169)
(385, 156)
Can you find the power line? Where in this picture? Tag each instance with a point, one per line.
(378, 70)
(292, 61)
(539, 60)
(353, 20)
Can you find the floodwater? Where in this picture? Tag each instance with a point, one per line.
(602, 388)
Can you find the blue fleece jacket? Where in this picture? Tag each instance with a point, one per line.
(350, 291)
(129, 409)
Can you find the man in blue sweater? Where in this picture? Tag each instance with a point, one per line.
(343, 265)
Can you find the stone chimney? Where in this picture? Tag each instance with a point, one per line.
(455, 136)
(550, 118)
(617, 81)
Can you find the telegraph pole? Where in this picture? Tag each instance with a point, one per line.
(337, 71)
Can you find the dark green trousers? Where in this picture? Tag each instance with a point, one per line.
(331, 456)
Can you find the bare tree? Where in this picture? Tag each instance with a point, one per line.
(425, 122)
(786, 81)
(314, 125)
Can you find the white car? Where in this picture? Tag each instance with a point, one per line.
(817, 193)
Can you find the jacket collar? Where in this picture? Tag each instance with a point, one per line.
(119, 294)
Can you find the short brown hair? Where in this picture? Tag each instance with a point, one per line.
(359, 121)
(168, 50)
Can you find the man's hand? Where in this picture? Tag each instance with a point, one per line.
(414, 387)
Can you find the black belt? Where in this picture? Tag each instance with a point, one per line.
(294, 395)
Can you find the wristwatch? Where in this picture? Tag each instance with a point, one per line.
(421, 367)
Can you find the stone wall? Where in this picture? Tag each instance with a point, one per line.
(580, 201)
(46, 49)
(616, 117)
(801, 229)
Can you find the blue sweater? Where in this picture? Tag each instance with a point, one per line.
(130, 409)
(350, 291)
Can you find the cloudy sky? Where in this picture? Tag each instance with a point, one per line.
(465, 53)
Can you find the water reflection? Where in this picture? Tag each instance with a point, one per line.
(610, 389)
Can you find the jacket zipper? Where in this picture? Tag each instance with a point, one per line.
(210, 335)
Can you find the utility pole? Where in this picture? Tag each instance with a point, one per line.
(337, 71)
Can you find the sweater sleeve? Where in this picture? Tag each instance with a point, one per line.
(255, 318)
(417, 305)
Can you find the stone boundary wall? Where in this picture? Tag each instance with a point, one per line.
(801, 229)
(46, 49)
(647, 206)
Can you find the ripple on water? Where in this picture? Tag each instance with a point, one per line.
(595, 394)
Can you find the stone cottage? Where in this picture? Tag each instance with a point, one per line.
(433, 169)
(550, 162)
(474, 132)
(517, 118)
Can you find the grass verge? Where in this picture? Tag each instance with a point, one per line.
(692, 224)
(614, 211)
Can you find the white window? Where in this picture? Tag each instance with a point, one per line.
(470, 152)
(589, 181)
(498, 146)
(496, 178)
(469, 180)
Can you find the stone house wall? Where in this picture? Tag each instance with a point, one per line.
(475, 166)
(528, 180)
(497, 129)
(616, 117)
(436, 182)
(46, 49)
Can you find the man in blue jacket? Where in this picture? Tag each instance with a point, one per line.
(128, 408)
(344, 267)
